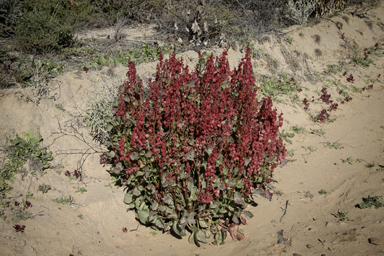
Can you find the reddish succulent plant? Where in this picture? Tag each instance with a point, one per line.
(197, 147)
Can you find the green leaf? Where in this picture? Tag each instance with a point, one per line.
(248, 214)
(200, 235)
(148, 154)
(203, 224)
(209, 150)
(177, 229)
(247, 161)
(29, 135)
(225, 170)
(134, 156)
(136, 191)
(36, 140)
(191, 238)
(128, 198)
(111, 154)
(143, 213)
(190, 155)
(109, 127)
(158, 223)
(154, 206)
(235, 219)
(238, 199)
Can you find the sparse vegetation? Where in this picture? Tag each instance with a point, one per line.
(341, 215)
(64, 200)
(318, 52)
(23, 149)
(376, 201)
(322, 192)
(317, 38)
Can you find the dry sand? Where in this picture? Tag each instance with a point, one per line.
(93, 224)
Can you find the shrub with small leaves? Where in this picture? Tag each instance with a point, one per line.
(193, 152)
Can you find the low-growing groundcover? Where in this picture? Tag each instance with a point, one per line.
(194, 151)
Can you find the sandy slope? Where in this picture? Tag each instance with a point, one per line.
(309, 226)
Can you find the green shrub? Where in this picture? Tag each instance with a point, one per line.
(194, 150)
(43, 26)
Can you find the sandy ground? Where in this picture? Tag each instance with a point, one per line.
(93, 223)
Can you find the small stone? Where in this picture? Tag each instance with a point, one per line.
(309, 246)
(374, 240)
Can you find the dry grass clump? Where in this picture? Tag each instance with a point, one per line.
(318, 52)
(317, 38)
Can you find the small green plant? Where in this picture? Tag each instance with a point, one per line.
(351, 161)
(356, 89)
(81, 190)
(80, 216)
(44, 188)
(370, 165)
(310, 148)
(60, 106)
(334, 145)
(318, 132)
(273, 87)
(286, 136)
(64, 200)
(299, 130)
(368, 202)
(341, 215)
(22, 149)
(318, 52)
(363, 62)
(322, 192)
(29, 195)
(290, 153)
(317, 38)
(21, 215)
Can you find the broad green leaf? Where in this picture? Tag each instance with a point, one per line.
(191, 238)
(190, 155)
(203, 224)
(225, 170)
(177, 229)
(136, 192)
(191, 218)
(29, 135)
(36, 140)
(238, 199)
(200, 235)
(158, 223)
(235, 219)
(248, 214)
(134, 156)
(154, 206)
(148, 154)
(139, 173)
(111, 154)
(143, 215)
(109, 127)
(247, 161)
(209, 150)
(128, 198)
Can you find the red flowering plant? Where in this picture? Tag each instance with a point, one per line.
(193, 151)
